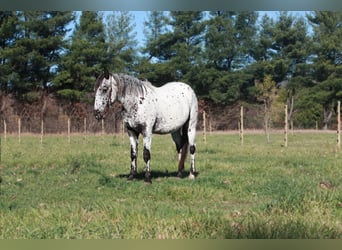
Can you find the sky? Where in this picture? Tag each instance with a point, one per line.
(141, 16)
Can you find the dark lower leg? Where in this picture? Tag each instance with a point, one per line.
(147, 158)
(133, 172)
(192, 166)
(182, 156)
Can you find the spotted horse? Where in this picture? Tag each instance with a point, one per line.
(171, 108)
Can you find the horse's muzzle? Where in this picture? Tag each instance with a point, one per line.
(98, 115)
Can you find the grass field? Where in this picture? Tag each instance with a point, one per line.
(258, 190)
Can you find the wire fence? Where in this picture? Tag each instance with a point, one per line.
(82, 121)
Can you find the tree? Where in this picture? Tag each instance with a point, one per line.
(155, 28)
(34, 51)
(188, 28)
(229, 38)
(8, 36)
(327, 65)
(175, 47)
(266, 94)
(85, 58)
(262, 50)
(121, 41)
(154, 65)
(228, 42)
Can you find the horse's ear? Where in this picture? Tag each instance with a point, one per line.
(106, 74)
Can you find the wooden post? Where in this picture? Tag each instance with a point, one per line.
(102, 130)
(41, 130)
(339, 124)
(210, 127)
(19, 130)
(122, 131)
(286, 127)
(85, 128)
(5, 130)
(68, 129)
(204, 128)
(241, 125)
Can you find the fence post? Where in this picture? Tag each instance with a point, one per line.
(286, 127)
(339, 124)
(204, 128)
(68, 129)
(19, 129)
(85, 128)
(122, 131)
(41, 130)
(241, 125)
(210, 127)
(5, 130)
(102, 130)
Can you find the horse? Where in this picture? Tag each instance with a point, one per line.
(146, 109)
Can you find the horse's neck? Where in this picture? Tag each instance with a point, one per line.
(128, 97)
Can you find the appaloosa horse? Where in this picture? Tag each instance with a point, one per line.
(172, 108)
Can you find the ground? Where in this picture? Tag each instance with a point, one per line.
(79, 189)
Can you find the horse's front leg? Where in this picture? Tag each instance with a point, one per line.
(147, 140)
(133, 139)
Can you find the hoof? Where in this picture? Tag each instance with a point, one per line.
(131, 176)
(192, 176)
(148, 178)
(148, 181)
(180, 175)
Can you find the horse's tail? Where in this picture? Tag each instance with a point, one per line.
(193, 118)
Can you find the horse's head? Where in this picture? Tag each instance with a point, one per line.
(105, 93)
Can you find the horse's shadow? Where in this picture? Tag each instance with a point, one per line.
(155, 174)
(105, 180)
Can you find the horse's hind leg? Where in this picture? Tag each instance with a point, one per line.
(192, 143)
(181, 142)
(192, 139)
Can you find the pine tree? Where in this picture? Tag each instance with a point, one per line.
(121, 41)
(36, 49)
(230, 38)
(327, 66)
(155, 28)
(186, 49)
(228, 42)
(8, 36)
(153, 64)
(85, 58)
(175, 46)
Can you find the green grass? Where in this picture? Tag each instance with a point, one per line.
(258, 190)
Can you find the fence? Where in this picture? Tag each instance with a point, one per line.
(286, 125)
(84, 122)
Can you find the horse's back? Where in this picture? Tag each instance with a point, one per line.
(177, 90)
(175, 102)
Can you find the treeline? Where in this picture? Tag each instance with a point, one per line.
(226, 56)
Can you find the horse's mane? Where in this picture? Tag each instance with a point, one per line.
(98, 82)
(131, 86)
(127, 85)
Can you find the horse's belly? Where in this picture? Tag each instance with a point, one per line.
(169, 123)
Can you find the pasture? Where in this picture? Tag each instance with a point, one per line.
(79, 189)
